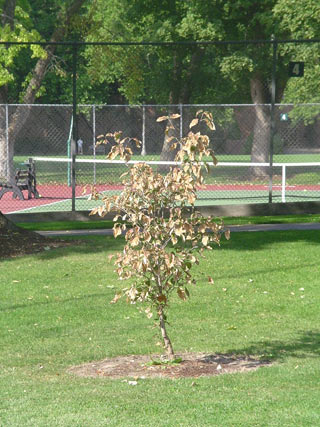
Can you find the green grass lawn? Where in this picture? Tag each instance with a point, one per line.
(102, 223)
(55, 313)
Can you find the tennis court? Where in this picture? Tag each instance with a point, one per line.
(228, 183)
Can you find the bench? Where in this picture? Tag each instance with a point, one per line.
(24, 179)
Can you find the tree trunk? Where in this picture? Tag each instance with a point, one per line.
(6, 153)
(165, 337)
(172, 135)
(261, 131)
(22, 113)
(180, 94)
(6, 224)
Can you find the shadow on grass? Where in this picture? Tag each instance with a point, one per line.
(307, 344)
(54, 302)
(78, 245)
(240, 241)
(258, 240)
(87, 244)
(269, 269)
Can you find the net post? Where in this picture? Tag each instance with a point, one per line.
(283, 184)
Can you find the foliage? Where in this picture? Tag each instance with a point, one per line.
(180, 74)
(166, 236)
(36, 21)
(22, 31)
(300, 20)
(156, 74)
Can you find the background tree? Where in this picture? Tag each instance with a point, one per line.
(17, 26)
(301, 20)
(181, 74)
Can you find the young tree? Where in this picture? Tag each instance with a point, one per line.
(166, 233)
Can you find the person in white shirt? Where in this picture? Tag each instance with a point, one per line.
(80, 146)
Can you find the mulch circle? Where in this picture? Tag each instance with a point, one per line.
(193, 365)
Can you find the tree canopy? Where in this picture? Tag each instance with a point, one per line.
(180, 74)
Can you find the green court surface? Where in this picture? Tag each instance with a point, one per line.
(206, 198)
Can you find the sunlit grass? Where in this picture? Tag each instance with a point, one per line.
(55, 313)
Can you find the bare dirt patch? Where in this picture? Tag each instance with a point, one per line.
(192, 365)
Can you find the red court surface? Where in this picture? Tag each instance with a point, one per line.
(51, 194)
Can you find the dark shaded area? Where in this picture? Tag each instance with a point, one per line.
(15, 241)
(19, 242)
(257, 240)
(307, 344)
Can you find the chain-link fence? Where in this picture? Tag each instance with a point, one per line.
(241, 176)
(266, 112)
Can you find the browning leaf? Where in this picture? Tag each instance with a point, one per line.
(117, 230)
(135, 241)
(162, 298)
(205, 240)
(174, 116)
(162, 118)
(210, 280)
(182, 294)
(174, 240)
(116, 298)
(193, 123)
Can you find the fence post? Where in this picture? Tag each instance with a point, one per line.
(181, 121)
(143, 149)
(7, 142)
(94, 143)
(272, 114)
(75, 124)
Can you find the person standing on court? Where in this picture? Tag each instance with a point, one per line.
(80, 146)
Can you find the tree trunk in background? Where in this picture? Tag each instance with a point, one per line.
(6, 152)
(262, 127)
(180, 94)
(5, 223)
(167, 154)
(21, 114)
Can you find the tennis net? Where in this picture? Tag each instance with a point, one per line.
(228, 182)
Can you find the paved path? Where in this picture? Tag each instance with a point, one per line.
(233, 228)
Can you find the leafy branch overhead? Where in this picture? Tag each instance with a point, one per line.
(166, 234)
